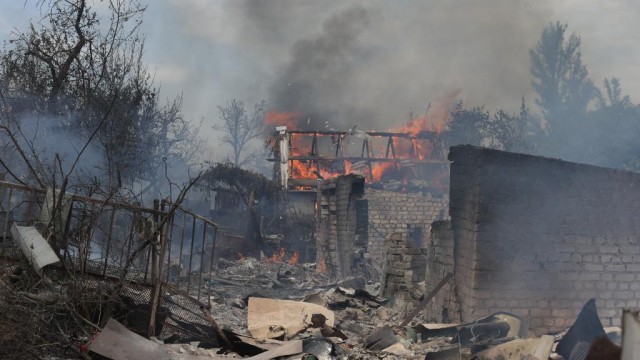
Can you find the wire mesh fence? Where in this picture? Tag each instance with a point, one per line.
(101, 245)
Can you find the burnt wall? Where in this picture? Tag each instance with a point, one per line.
(538, 237)
(353, 223)
(337, 224)
(404, 271)
(409, 214)
(443, 307)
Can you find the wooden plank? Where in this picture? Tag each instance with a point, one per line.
(426, 300)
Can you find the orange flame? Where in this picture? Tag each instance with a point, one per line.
(301, 169)
(294, 258)
(280, 255)
(435, 121)
(322, 266)
(277, 257)
(288, 119)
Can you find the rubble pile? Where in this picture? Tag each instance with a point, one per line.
(265, 309)
(294, 310)
(274, 307)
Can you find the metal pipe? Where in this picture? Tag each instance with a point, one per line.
(204, 237)
(82, 198)
(169, 240)
(193, 236)
(184, 222)
(213, 249)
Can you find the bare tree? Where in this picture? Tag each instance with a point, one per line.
(62, 76)
(240, 129)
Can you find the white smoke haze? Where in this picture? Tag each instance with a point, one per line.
(401, 54)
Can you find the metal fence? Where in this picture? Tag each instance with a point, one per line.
(101, 237)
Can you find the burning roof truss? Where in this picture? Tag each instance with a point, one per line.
(304, 156)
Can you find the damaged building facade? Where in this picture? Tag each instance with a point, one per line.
(354, 222)
(536, 237)
(529, 235)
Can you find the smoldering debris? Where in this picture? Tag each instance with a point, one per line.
(265, 309)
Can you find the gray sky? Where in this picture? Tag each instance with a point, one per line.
(400, 55)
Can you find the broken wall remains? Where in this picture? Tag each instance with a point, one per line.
(353, 222)
(443, 307)
(538, 237)
(410, 214)
(336, 225)
(404, 270)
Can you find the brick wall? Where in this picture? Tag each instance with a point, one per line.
(443, 307)
(410, 214)
(404, 268)
(336, 223)
(538, 237)
(353, 222)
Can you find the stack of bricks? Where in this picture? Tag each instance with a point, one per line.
(405, 267)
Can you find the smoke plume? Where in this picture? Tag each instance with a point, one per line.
(370, 64)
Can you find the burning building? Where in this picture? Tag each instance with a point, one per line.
(529, 235)
(399, 160)
(364, 186)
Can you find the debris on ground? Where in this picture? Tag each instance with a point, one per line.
(260, 309)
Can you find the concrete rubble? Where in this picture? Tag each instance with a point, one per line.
(274, 310)
(330, 321)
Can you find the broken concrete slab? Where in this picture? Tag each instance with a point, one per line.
(315, 298)
(264, 344)
(34, 246)
(361, 294)
(447, 352)
(355, 282)
(271, 318)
